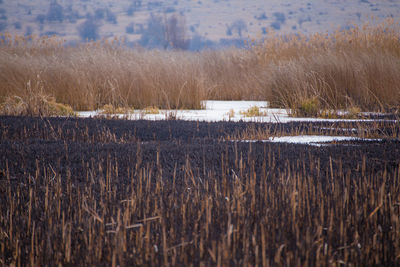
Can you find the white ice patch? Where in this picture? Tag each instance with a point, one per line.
(316, 140)
(308, 139)
(218, 111)
(235, 105)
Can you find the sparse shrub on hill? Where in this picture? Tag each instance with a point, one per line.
(198, 42)
(3, 19)
(153, 34)
(165, 32)
(238, 26)
(280, 17)
(111, 17)
(55, 12)
(50, 33)
(17, 25)
(131, 10)
(264, 30)
(3, 25)
(71, 14)
(154, 4)
(89, 30)
(262, 16)
(28, 31)
(40, 18)
(130, 28)
(276, 25)
(170, 10)
(99, 14)
(304, 19)
(175, 32)
(228, 30)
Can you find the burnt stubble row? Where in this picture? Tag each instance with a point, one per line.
(115, 192)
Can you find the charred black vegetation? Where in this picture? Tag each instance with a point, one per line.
(115, 192)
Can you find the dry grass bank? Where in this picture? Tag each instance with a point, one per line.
(356, 68)
(359, 68)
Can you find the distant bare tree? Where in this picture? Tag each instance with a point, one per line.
(175, 32)
(167, 32)
(238, 26)
(153, 34)
(89, 30)
(55, 12)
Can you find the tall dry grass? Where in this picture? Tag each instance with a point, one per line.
(359, 68)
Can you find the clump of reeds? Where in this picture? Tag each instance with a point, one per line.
(349, 68)
(253, 111)
(151, 110)
(92, 75)
(109, 109)
(34, 102)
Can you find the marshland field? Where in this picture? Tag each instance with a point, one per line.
(128, 191)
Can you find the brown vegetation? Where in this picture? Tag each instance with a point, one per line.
(356, 68)
(34, 101)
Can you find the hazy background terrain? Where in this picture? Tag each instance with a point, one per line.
(185, 24)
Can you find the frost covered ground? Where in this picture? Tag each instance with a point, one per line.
(212, 111)
(218, 111)
(215, 111)
(314, 140)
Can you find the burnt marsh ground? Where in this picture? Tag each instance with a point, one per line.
(96, 191)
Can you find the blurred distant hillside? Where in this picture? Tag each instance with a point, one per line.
(185, 24)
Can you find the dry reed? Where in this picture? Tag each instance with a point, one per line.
(355, 68)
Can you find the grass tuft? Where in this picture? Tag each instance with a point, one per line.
(230, 114)
(34, 103)
(151, 110)
(309, 107)
(253, 111)
(109, 109)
